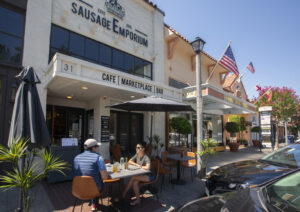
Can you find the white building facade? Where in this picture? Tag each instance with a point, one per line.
(91, 54)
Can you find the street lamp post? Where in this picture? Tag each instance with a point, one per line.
(198, 45)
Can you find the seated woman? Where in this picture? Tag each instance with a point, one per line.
(140, 159)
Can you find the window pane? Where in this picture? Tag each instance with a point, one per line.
(129, 63)
(105, 55)
(59, 39)
(147, 69)
(118, 59)
(76, 44)
(91, 50)
(10, 49)
(11, 22)
(138, 66)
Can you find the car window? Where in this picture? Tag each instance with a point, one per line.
(285, 193)
(289, 155)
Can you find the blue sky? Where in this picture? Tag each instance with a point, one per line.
(266, 32)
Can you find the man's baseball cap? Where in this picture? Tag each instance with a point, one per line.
(91, 142)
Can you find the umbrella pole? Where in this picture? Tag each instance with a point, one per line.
(151, 123)
(20, 206)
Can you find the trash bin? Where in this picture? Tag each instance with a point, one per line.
(290, 139)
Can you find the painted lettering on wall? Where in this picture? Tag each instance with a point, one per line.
(111, 25)
(122, 81)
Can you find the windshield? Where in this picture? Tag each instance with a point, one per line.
(289, 155)
(285, 193)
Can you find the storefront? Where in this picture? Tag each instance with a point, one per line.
(91, 54)
(217, 104)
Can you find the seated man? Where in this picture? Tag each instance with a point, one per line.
(142, 160)
(90, 163)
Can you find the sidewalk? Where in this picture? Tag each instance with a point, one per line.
(171, 197)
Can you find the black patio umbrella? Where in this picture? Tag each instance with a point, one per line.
(153, 104)
(28, 119)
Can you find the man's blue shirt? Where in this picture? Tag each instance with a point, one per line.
(89, 163)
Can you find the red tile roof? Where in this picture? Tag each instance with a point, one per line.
(186, 40)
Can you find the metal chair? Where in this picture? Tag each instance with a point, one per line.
(190, 163)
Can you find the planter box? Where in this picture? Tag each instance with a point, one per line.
(234, 147)
(66, 154)
(255, 143)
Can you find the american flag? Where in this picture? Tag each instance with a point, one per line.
(250, 67)
(229, 62)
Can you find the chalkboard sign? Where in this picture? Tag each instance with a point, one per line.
(104, 128)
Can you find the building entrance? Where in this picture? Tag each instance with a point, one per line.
(65, 122)
(126, 129)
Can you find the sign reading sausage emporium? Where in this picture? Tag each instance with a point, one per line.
(109, 24)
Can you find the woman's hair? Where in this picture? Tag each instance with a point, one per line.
(141, 144)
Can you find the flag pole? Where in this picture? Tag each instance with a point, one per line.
(211, 73)
(262, 95)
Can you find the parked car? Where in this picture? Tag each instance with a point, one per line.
(244, 174)
(279, 194)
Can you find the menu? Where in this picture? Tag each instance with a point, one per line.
(104, 128)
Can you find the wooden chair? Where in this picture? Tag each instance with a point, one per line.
(148, 149)
(84, 188)
(168, 162)
(116, 152)
(163, 172)
(149, 185)
(190, 163)
(106, 161)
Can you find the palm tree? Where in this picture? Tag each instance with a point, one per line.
(26, 177)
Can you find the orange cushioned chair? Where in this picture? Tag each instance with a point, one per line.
(190, 163)
(166, 161)
(84, 188)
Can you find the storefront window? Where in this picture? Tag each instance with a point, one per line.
(213, 127)
(11, 36)
(105, 55)
(76, 45)
(91, 50)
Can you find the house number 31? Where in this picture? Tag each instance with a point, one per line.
(68, 68)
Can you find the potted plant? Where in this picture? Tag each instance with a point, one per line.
(182, 126)
(157, 144)
(208, 149)
(232, 128)
(256, 130)
(243, 142)
(36, 167)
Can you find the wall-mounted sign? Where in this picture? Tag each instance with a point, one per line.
(123, 81)
(115, 8)
(87, 12)
(236, 102)
(104, 128)
(69, 142)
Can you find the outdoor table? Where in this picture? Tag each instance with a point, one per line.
(124, 173)
(179, 158)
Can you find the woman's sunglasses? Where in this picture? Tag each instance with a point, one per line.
(140, 147)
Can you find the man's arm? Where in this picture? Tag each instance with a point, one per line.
(102, 169)
(104, 175)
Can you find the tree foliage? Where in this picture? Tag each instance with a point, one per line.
(285, 105)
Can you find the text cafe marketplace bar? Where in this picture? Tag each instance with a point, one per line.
(90, 54)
